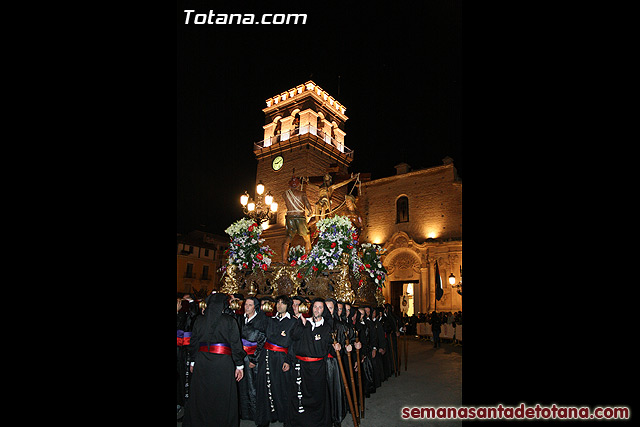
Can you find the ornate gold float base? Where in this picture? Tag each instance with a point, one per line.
(281, 279)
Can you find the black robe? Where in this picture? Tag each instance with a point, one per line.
(214, 397)
(386, 357)
(272, 385)
(380, 359)
(309, 401)
(376, 361)
(337, 393)
(345, 359)
(368, 385)
(252, 333)
(181, 357)
(186, 319)
(391, 326)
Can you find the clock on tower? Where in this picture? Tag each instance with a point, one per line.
(277, 163)
(303, 131)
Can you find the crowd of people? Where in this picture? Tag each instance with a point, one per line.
(306, 363)
(443, 317)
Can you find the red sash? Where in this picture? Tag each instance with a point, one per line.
(183, 337)
(309, 359)
(249, 346)
(250, 349)
(274, 347)
(219, 348)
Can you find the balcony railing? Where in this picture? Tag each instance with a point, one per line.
(298, 132)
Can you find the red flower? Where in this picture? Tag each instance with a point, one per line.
(293, 263)
(303, 257)
(314, 268)
(299, 275)
(250, 227)
(259, 256)
(362, 268)
(244, 265)
(360, 283)
(349, 246)
(367, 265)
(333, 245)
(379, 277)
(264, 267)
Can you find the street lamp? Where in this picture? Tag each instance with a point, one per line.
(261, 208)
(452, 282)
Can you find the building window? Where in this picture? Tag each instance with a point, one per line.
(205, 272)
(189, 273)
(206, 252)
(295, 124)
(402, 209)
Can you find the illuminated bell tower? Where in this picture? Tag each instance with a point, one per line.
(303, 130)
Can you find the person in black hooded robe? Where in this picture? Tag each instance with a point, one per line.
(376, 361)
(253, 325)
(186, 318)
(337, 392)
(343, 315)
(380, 359)
(216, 350)
(309, 403)
(359, 324)
(392, 325)
(381, 320)
(273, 378)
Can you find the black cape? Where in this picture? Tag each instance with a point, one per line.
(373, 341)
(391, 326)
(272, 385)
(251, 332)
(213, 398)
(381, 367)
(337, 393)
(368, 386)
(309, 403)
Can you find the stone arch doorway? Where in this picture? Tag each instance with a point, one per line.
(403, 266)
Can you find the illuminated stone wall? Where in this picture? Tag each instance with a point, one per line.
(435, 205)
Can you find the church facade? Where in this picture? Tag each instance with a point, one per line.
(415, 215)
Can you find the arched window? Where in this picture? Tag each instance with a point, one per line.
(402, 209)
(277, 130)
(295, 124)
(320, 122)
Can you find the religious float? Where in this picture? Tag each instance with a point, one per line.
(337, 266)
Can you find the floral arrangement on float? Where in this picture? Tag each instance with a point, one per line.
(370, 264)
(336, 236)
(246, 250)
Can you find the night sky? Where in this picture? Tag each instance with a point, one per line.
(385, 65)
